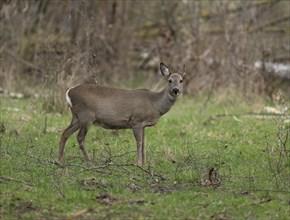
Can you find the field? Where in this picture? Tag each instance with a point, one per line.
(217, 159)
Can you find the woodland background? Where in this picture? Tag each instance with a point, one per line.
(48, 46)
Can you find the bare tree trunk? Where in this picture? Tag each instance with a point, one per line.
(75, 20)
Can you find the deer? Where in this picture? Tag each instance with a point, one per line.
(113, 108)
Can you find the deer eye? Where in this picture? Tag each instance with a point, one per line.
(181, 81)
(170, 81)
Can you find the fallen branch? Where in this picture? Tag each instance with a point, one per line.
(148, 171)
(97, 168)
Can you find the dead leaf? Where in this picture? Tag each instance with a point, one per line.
(213, 178)
(78, 213)
(106, 198)
(139, 201)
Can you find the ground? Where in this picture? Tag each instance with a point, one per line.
(217, 159)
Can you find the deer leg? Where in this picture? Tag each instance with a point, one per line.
(73, 127)
(81, 139)
(138, 136)
(143, 146)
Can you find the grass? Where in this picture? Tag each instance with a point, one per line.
(200, 166)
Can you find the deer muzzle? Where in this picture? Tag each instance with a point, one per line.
(176, 91)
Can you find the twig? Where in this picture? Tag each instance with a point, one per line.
(269, 190)
(57, 186)
(39, 161)
(250, 114)
(213, 85)
(96, 168)
(271, 23)
(57, 183)
(149, 172)
(45, 125)
(120, 155)
(9, 179)
(247, 114)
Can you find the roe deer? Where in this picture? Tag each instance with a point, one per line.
(119, 109)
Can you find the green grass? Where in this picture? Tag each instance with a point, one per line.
(247, 181)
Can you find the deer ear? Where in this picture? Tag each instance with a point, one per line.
(182, 72)
(164, 70)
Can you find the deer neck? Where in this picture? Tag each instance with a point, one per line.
(165, 101)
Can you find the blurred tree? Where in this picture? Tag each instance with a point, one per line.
(117, 42)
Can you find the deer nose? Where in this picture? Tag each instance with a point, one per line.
(175, 91)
